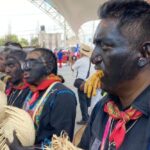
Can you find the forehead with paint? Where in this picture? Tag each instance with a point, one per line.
(16, 57)
(33, 55)
(108, 35)
(133, 18)
(13, 65)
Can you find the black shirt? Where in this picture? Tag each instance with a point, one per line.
(58, 114)
(137, 138)
(17, 97)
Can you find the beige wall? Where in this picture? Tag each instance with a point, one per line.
(49, 40)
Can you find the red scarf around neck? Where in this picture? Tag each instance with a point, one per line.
(118, 134)
(12, 87)
(42, 86)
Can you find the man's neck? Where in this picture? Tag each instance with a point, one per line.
(40, 81)
(132, 89)
(17, 83)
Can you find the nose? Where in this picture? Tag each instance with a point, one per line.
(96, 57)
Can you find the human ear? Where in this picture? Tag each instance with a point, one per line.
(145, 55)
(146, 49)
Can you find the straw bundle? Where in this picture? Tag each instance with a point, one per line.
(3, 100)
(61, 143)
(18, 120)
(3, 103)
(2, 86)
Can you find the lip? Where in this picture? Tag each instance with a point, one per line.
(26, 75)
(98, 67)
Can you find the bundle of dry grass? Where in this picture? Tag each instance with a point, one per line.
(3, 100)
(15, 119)
(61, 143)
(3, 103)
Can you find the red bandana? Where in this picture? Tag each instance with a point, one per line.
(42, 86)
(118, 134)
(21, 86)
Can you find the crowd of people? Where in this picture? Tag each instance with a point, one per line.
(35, 87)
(117, 121)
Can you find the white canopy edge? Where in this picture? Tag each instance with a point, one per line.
(77, 12)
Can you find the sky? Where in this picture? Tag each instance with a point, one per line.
(23, 18)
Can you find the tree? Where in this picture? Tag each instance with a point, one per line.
(24, 42)
(2, 41)
(34, 41)
(11, 37)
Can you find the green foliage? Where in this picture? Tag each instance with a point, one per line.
(34, 42)
(13, 38)
(24, 42)
(2, 41)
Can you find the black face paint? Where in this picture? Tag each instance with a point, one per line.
(34, 70)
(13, 69)
(122, 67)
(116, 59)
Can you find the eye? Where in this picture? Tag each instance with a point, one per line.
(11, 65)
(106, 46)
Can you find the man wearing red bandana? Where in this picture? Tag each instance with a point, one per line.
(121, 120)
(51, 105)
(16, 89)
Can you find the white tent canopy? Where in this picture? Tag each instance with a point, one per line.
(77, 12)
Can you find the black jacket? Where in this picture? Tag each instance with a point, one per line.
(58, 114)
(17, 97)
(138, 137)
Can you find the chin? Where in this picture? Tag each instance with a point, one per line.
(30, 81)
(107, 86)
(16, 81)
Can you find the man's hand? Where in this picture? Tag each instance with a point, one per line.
(93, 83)
(15, 145)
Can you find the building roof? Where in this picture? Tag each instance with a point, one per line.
(77, 12)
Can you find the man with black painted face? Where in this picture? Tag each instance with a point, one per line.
(16, 89)
(51, 105)
(121, 121)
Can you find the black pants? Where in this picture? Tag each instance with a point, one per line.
(84, 104)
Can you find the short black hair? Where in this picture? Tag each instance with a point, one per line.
(19, 55)
(49, 58)
(18, 45)
(132, 15)
(11, 46)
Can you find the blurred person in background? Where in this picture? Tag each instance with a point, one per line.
(82, 68)
(8, 47)
(60, 58)
(16, 90)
